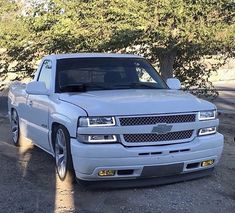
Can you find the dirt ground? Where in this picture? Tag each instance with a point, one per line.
(28, 183)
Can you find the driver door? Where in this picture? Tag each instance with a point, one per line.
(38, 110)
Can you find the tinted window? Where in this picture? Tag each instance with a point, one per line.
(106, 71)
(45, 73)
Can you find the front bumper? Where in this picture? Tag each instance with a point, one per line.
(89, 159)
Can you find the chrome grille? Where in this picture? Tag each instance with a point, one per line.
(171, 136)
(150, 120)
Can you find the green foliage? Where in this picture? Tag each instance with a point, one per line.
(14, 53)
(175, 35)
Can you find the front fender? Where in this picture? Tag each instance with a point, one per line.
(69, 123)
(65, 114)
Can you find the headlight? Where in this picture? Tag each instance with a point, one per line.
(207, 131)
(96, 121)
(207, 115)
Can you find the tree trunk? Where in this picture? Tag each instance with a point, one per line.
(167, 60)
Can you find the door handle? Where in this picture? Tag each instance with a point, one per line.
(30, 103)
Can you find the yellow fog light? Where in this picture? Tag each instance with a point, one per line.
(108, 172)
(207, 163)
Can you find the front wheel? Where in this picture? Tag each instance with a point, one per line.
(15, 128)
(63, 158)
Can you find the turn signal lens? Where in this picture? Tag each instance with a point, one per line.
(97, 138)
(102, 138)
(207, 131)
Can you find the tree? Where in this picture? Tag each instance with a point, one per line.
(180, 35)
(177, 36)
(13, 35)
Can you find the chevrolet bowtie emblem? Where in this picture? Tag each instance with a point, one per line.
(162, 129)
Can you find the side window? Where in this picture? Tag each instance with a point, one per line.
(45, 73)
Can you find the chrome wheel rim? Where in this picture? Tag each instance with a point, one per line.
(60, 153)
(15, 126)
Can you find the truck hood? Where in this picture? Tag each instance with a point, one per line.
(135, 102)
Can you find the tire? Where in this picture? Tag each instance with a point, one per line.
(63, 157)
(15, 128)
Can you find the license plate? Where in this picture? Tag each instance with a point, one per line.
(163, 170)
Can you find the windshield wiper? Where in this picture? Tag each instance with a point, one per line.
(82, 87)
(135, 85)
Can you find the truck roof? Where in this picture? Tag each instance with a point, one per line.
(92, 55)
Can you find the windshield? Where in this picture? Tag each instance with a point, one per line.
(74, 74)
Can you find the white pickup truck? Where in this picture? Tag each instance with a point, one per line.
(111, 117)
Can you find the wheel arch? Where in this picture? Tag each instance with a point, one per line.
(68, 123)
(54, 125)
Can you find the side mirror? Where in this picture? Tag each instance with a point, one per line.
(36, 88)
(173, 83)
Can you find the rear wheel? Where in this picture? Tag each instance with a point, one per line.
(63, 158)
(15, 128)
